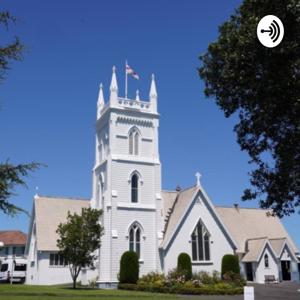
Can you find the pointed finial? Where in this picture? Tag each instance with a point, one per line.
(153, 92)
(137, 97)
(113, 84)
(36, 192)
(153, 95)
(101, 102)
(198, 176)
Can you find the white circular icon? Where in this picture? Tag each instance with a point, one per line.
(270, 31)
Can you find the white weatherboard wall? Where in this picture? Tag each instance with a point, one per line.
(287, 255)
(261, 271)
(219, 245)
(114, 167)
(49, 275)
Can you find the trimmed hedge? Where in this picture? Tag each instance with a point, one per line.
(184, 265)
(129, 267)
(205, 290)
(230, 263)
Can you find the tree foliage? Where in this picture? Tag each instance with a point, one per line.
(79, 238)
(11, 175)
(11, 51)
(230, 263)
(184, 265)
(262, 86)
(129, 267)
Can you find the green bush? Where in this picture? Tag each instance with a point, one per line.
(230, 263)
(234, 278)
(218, 289)
(152, 277)
(129, 267)
(184, 265)
(204, 277)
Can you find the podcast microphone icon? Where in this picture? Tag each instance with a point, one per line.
(275, 31)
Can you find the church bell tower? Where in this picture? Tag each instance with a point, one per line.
(127, 181)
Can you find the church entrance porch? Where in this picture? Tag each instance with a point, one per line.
(286, 270)
(249, 271)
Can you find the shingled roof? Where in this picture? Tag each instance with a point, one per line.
(13, 237)
(49, 212)
(178, 203)
(251, 223)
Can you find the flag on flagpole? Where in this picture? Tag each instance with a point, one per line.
(130, 71)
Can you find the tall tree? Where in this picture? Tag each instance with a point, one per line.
(262, 86)
(79, 238)
(11, 175)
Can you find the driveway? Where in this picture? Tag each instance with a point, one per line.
(281, 291)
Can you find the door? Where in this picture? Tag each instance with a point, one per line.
(286, 269)
(249, 271)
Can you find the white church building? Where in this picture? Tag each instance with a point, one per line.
(157, 224)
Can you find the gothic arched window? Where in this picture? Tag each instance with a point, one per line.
(134, 188)
(135, 239)
(101, 152)
(134, 142)
(266, 258)
(200, 243)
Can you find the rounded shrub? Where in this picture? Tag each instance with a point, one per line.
(230, 263)
(129, 267)
(184, 265)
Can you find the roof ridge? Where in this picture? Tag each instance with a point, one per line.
(231, 207)
(63, 197)
(187, 188)
(282, 238)
(258, 238)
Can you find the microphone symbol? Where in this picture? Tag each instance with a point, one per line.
(274, 31)
(270, 31)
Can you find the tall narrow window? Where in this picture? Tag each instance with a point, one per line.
(206, 246)
(101, 152)
(133, 142)
(266, 258)
(200, 243)
(136, 144)
(135, 239)
(134, 188)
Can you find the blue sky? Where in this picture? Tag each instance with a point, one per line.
(48, 102)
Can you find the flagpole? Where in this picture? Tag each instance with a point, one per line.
(126, 86)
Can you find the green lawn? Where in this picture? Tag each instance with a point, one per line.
(27, 292)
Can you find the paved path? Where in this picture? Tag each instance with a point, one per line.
(281, 291)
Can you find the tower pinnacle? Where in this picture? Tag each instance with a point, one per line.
(153, 94)
(137, 97)
(113, 88)
(100, 103)
(114, 84)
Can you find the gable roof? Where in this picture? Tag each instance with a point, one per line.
(278, 245)
(254, 249)
(168, 198)
(249, 223)
(180, 208)
(13, 237)
(49, 212)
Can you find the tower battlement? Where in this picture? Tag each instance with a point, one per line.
(125, 103)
